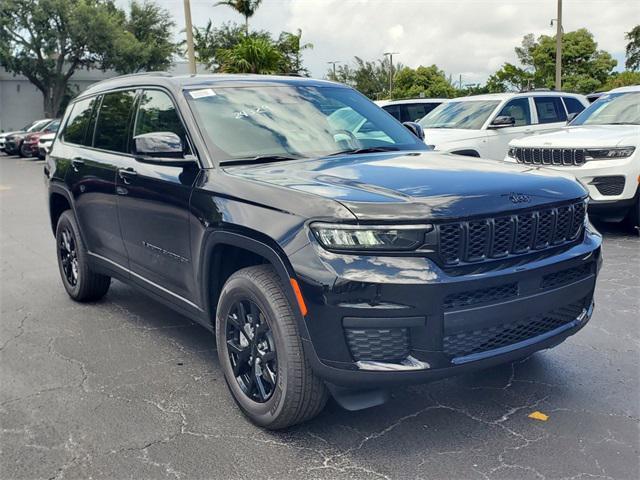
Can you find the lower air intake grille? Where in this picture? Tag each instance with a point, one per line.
(477, 341)
(609, 186)
(564, 277)
(378, 345)
(482, 295)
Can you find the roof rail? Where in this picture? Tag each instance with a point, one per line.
(138, 74)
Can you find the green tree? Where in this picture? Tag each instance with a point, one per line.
(47, 41)
(246, 8)
(252, 55)
(584, 67)
(145, 43)
(369, 77)
(622, 79)
(633, 49)
(291, 46)
(422, 82)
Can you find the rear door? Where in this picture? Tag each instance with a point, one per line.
(550, 112)
(95, 155)
(153, 205)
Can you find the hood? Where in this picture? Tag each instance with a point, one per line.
(588, 136)
(416, 185)
(440, 136)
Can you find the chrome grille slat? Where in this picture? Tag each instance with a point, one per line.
(568, 157)
(485, 239)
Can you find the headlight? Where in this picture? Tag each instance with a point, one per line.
(609, 153)
(370, 237)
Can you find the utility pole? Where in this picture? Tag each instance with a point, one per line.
(390, 55)
(333, 63)
(190, 53)
(559, 47)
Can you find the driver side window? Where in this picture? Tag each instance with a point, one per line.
(518, 108)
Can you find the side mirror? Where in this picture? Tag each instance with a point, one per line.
(415, 128)
(162, 148)
(503, 121)
(571, 116)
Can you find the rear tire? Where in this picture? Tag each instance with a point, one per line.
(79, 280)
(254, 310)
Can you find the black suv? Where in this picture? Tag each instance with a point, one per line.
(328, 248)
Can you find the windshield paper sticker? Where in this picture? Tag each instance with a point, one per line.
(205, 92)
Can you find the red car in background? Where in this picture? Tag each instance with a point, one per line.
(29, 147)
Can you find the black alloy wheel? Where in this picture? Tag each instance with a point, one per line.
(67, 250)
(252, 351)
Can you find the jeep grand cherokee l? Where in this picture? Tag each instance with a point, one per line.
(325, 263)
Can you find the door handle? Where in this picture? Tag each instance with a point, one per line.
(126, 174)
(76, 163)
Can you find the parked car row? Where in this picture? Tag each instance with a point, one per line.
(26, 141)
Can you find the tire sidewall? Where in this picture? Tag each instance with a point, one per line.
(67, 222)
(242, 288)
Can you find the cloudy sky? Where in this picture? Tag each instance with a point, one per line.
(471, 38)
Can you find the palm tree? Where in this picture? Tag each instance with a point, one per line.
(246, 8)
(252, 55)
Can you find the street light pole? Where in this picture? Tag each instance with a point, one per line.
(333, 63)
(559, 47)
(189, 27)
(390, 55)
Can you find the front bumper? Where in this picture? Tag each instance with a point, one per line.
(368, 312)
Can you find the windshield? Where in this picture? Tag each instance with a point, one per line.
(36, 127)
(467, 114)
(292, 121)
(612, 109)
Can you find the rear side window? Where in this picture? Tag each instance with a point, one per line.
(157, 113)
(414, 112)
(78, 122)
(573, 105)
(518, 108)
(393, 110)
(550, 109)
(113, 121)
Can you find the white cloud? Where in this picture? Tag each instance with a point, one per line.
(471, 38)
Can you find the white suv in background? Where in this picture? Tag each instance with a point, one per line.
(601, 148)
(483, 125)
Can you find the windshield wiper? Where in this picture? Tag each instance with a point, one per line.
(623, 123)
(261, 159)
(356, 151)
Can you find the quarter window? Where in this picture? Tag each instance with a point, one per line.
(157, 113)
(573, 105)
(76, 128)
(550, 110)
(113, 121)
(518, 108)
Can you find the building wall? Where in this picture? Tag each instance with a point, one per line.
(21, 102)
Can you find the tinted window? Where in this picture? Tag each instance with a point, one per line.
(550, 110)
(76, 128)
(52, 127)
(113, 121)
(412, 112)
(573, 105)
(393, 110)
(157, 113)
(518, 108)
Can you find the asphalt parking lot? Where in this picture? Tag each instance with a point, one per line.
(125, 388)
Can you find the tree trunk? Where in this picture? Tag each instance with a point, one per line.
(53, 98)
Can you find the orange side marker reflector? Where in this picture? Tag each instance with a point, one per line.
(539, 416)
(296, 290)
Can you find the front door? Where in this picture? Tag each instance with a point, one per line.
(498, 139)
(153, 206)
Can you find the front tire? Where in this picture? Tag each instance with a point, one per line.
(261, 352)
(79, 280)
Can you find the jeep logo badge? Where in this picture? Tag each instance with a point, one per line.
(519, 198)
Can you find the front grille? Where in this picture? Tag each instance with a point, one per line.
(564, 277)
(613, 185)
(483, 340)
(378, 344)
(550, 156)
(492, 238)
(482, 295)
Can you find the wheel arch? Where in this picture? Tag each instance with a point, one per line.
(59, 201)
(218, 265)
